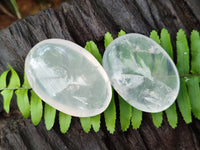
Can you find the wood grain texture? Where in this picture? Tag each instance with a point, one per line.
(80, 21)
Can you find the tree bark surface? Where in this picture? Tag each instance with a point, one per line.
(81, 21)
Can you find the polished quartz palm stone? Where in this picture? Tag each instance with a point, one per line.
(141, 72)
(68, 78)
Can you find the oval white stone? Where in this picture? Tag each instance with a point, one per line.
(68, 78)
(141, 72)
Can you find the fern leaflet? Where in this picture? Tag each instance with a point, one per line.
(125, 112)
(154, 36)
(157, 119)
(165, 42)
(136, 118)
(183, 68)
(64, 122)
(3, 80)
(36, 108)
(14, 79)
(172, 116)
(107, 39)
(121, 32)
(194, 95)
(195, 51)
(7, 96)
(49, 116)
(23, 102)
(95, 122)
(85, 123)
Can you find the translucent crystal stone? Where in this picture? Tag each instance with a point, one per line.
(68, 77)
(141, 72)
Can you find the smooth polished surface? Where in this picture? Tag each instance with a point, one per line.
(141, 72)
(68, 77)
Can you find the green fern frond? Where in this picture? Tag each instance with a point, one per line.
(121, 32)
(7, 96)
(23, 102)
(136, 118)
(172, 116)
(183, 68)
(26, 83)
(14, 79)
(92, 48)
(86, 123)
(165, 42)
(193, 82)
(64, 122)
(49, 116)
(184, 102)
(125, 113)
(195, 52)
(107, 39)
(182, 53)
(13, 84)
(157, 119)
(3, 78)
(36, 108)
(110, 115)
(154, 36)
(194, 95)
(96, 122)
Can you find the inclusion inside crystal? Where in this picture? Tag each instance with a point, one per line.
(141, 72)
(68, 78)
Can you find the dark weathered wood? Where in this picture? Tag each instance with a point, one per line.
(80, 21)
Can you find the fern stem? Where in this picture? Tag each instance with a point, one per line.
(190, 75)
